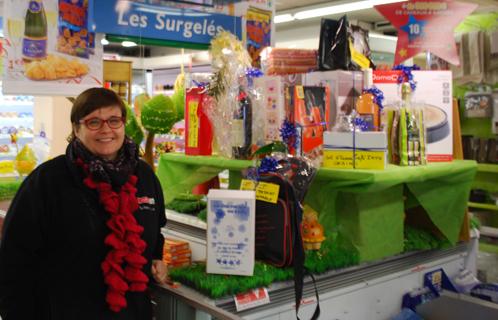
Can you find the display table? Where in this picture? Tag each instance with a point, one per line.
(369, 291)
(366, 207)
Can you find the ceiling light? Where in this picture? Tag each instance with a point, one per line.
(128, 44)
(341, 8)
(381, 36)
(284, 18)
(104, 41)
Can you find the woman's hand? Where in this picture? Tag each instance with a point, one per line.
(159, 271)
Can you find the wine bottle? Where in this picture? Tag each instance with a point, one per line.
(242, 127)
(34, 45)
(366, 107)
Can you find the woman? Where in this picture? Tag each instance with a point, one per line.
(81, 239)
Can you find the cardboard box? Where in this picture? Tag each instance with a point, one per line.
(270, 113)
(345, 88)
(434, 93)
(230, 232)
(308, 108)
(368, 150)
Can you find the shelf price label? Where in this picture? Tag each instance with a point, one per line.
(254, 298)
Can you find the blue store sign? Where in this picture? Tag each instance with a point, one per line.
(127, 18)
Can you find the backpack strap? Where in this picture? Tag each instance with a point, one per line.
(299, 269)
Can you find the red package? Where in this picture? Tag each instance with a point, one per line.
(198, 129)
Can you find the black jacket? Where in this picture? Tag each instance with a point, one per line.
(53, 244)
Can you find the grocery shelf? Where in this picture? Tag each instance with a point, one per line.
(489, 231)
(486, 206)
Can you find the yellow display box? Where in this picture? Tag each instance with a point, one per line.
(355, 150)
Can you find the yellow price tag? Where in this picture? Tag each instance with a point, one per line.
(246, 184)
(300, 92)
(193, 123)
(358, 58)
(268, 192)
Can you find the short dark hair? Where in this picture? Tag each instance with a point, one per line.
(93, 99)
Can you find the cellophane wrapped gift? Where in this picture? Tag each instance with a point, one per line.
(230, 110)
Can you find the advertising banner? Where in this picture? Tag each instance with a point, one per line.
(127, 18)
(49, 48)
(426, 25)
(258, 28)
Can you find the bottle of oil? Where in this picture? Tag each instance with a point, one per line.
(34, 44)
(366, 107)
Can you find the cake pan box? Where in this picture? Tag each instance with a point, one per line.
(434, 94)
(345, 88)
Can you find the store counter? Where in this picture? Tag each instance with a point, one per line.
(366, 207)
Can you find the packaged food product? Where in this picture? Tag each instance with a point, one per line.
(73, 38)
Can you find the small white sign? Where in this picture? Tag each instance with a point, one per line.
(254, 298)
(230, 232)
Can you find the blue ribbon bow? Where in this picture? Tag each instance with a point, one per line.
(268, 164)
(288, 132)
(406, 74)
(252, 73)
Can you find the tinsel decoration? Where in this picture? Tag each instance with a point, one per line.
(288, 132)
(406, 74)
(377, 94)
(361, 124)
(268, 164)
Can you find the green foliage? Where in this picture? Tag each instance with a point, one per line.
(186, 206)
(8, 189)
(159, 114)
(332, 255)
(132, 128)
(418, 239)
(202, 215)
(475, 223)
(276, 146)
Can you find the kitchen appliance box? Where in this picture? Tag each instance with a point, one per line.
(434, 92)
(307, 107)
(345, 88)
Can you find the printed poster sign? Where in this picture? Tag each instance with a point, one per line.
(426, 25)
(49, 48)
(230, 236)
(134, 19)
(258, 28)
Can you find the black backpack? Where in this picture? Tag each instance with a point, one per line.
(278, 234)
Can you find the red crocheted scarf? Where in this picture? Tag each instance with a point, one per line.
(122, 267)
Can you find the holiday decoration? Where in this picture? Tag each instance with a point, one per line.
(132, 127)
(158, 116)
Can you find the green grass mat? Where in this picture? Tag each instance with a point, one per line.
(330, 256)
(187, 206)
(418, 239)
